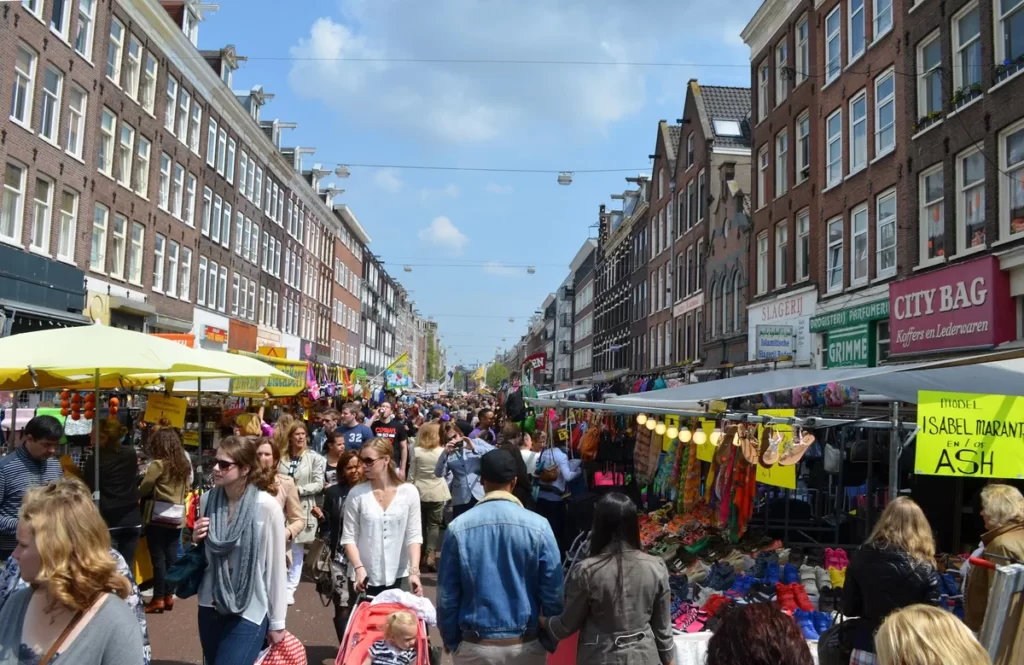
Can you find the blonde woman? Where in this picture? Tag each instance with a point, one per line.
(73, 608)
(895, 568)
(243, 597)
(283, 489)
(1002, 508)
(307, 470)
(382, 532)
(119, 487)
(926, 635)
(433, 490)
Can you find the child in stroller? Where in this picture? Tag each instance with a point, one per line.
(384, 632)
(399, 644)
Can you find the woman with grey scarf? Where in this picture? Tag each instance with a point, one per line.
(243, 598)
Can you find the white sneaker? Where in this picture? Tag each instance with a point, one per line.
(291, 599)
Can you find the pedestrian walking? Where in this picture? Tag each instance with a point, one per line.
(307, 469)
(31, 464)
(433, 491)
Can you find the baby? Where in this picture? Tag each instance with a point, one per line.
(399, 644)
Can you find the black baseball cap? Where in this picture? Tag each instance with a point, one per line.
(498, 466)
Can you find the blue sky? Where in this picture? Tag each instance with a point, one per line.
(332, 68)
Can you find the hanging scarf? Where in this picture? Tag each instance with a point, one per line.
(232, 586)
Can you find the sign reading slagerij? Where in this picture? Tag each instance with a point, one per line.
(966, 434)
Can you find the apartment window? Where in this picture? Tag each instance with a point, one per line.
(24, 82)
(235, 283)
(803, 147)
(83, 36)
(76, 119)
(859, 245)
(190, 200)
(67, 224)
(700, 265)
(264, 245)
(929, 78)
(239, 236)
(251, 183)
(835, 255)
(1009, 41)
(159, 251)
(691, 204)
(885, 113)
(132, 76)
(243, 165)
(254, 247)
(833, 44)
(689, 150)
(105, 154)
(53, 82)
(222, 289)
(882, 18)
(702, 195)
(222, 141)
(834, 147)
(781, 72)
(115, 51)
(98, 252)
(201, 283)
(135, 253)
(172, 269)
(207, 212)
(858, 132)
(194, 127)
(885, 235)
(60, 17)
(781, 162)
(171, 107)
(230, 169)
(225, 226)
(211, 142)
(41, 215)
(142, 149)
(803, 51)
(184, 108)
(252, 301)
(967, 62)
(147, 88)
(781, 253)
(216, 219)
(211, 300)
(762, 91)
(933, 218)
(689, 287)
(803, 245)
(856, 29)
(1011, 187)
(762, 263)
(178, 191)
(970, 213)
(125, 150)
(164, 194)
(762, 177)
(118, 239)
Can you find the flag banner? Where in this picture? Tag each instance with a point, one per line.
(397, 373)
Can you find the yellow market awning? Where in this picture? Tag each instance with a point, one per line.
(275, 387)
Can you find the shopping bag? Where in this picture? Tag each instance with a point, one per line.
(566, 652)
(288, 651)
(143, 566)
(186, 574)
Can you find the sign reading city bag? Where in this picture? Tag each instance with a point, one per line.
(965, 434)
(965, 306)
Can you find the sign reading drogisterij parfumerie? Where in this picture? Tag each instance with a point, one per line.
(972, 435)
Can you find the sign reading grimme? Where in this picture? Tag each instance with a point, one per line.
(966, 434)
(965, 306)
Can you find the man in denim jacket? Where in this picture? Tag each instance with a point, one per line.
(500, 570)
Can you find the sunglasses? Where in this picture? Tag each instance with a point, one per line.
(223, 465)
(370, 461)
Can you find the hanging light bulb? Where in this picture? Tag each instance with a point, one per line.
(660, 429)
(699, 437)
(651, 424)
(685, 435)
(716, 435)
(673, 432)
(641, 418)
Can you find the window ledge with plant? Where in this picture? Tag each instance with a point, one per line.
(1008, 68)
(965, 95)
(927, 121)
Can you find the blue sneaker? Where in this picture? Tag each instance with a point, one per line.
(721, 577)
(790, 574)
(822, 621)
(773, 572)
(805, 620)
(741, 587)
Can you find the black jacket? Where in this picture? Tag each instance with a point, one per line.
(524, 485)
(880, 581)
(119, 485)
(334, 511)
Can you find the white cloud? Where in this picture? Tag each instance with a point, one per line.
(495, 188)
(429, 195)
(388, 180)
(444, 234)
(496, 268)
(348, 61)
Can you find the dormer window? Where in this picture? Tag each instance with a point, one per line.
(190, 26)
(225, 72)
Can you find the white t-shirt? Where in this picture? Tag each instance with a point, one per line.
(530, 457)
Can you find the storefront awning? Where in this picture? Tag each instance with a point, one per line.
(999, 377)
(15, 308)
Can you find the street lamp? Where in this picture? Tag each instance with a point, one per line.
(565, 178)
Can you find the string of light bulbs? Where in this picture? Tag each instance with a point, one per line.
(692, 432)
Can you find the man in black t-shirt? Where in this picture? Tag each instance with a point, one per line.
(386, 426)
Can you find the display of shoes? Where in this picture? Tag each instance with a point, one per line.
(803, 601)
(790, 574)
(805, 621)
(785, 598)
(680, 585)
(842, 559)
(715, 604)
(741, 587)
(837, 577)
(721, 577)
(822, 621)
(830, 558)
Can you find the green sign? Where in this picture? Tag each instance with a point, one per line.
(845, 318)
(850, 347)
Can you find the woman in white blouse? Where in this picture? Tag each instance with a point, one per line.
(382, 532)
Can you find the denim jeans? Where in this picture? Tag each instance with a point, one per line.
(230, 639)
(125, 540)
(458, 510)
(163, 551)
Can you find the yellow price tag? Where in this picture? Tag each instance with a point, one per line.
(970, 435)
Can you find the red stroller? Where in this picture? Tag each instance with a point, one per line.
(366, 626)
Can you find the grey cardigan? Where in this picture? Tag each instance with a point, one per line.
(631, 628)
(111, 637)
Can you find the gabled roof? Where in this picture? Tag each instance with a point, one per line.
(725, 103)
(670, 139)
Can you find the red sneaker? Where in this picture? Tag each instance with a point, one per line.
(785, 597)
(803, 601)
(714, 604)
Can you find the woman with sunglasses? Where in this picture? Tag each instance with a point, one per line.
(307, 469)
(243, 598)
(350, 474)
(382, 534)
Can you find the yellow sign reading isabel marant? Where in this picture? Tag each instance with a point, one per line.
(967, 434)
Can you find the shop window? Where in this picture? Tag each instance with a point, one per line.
(882, 341)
